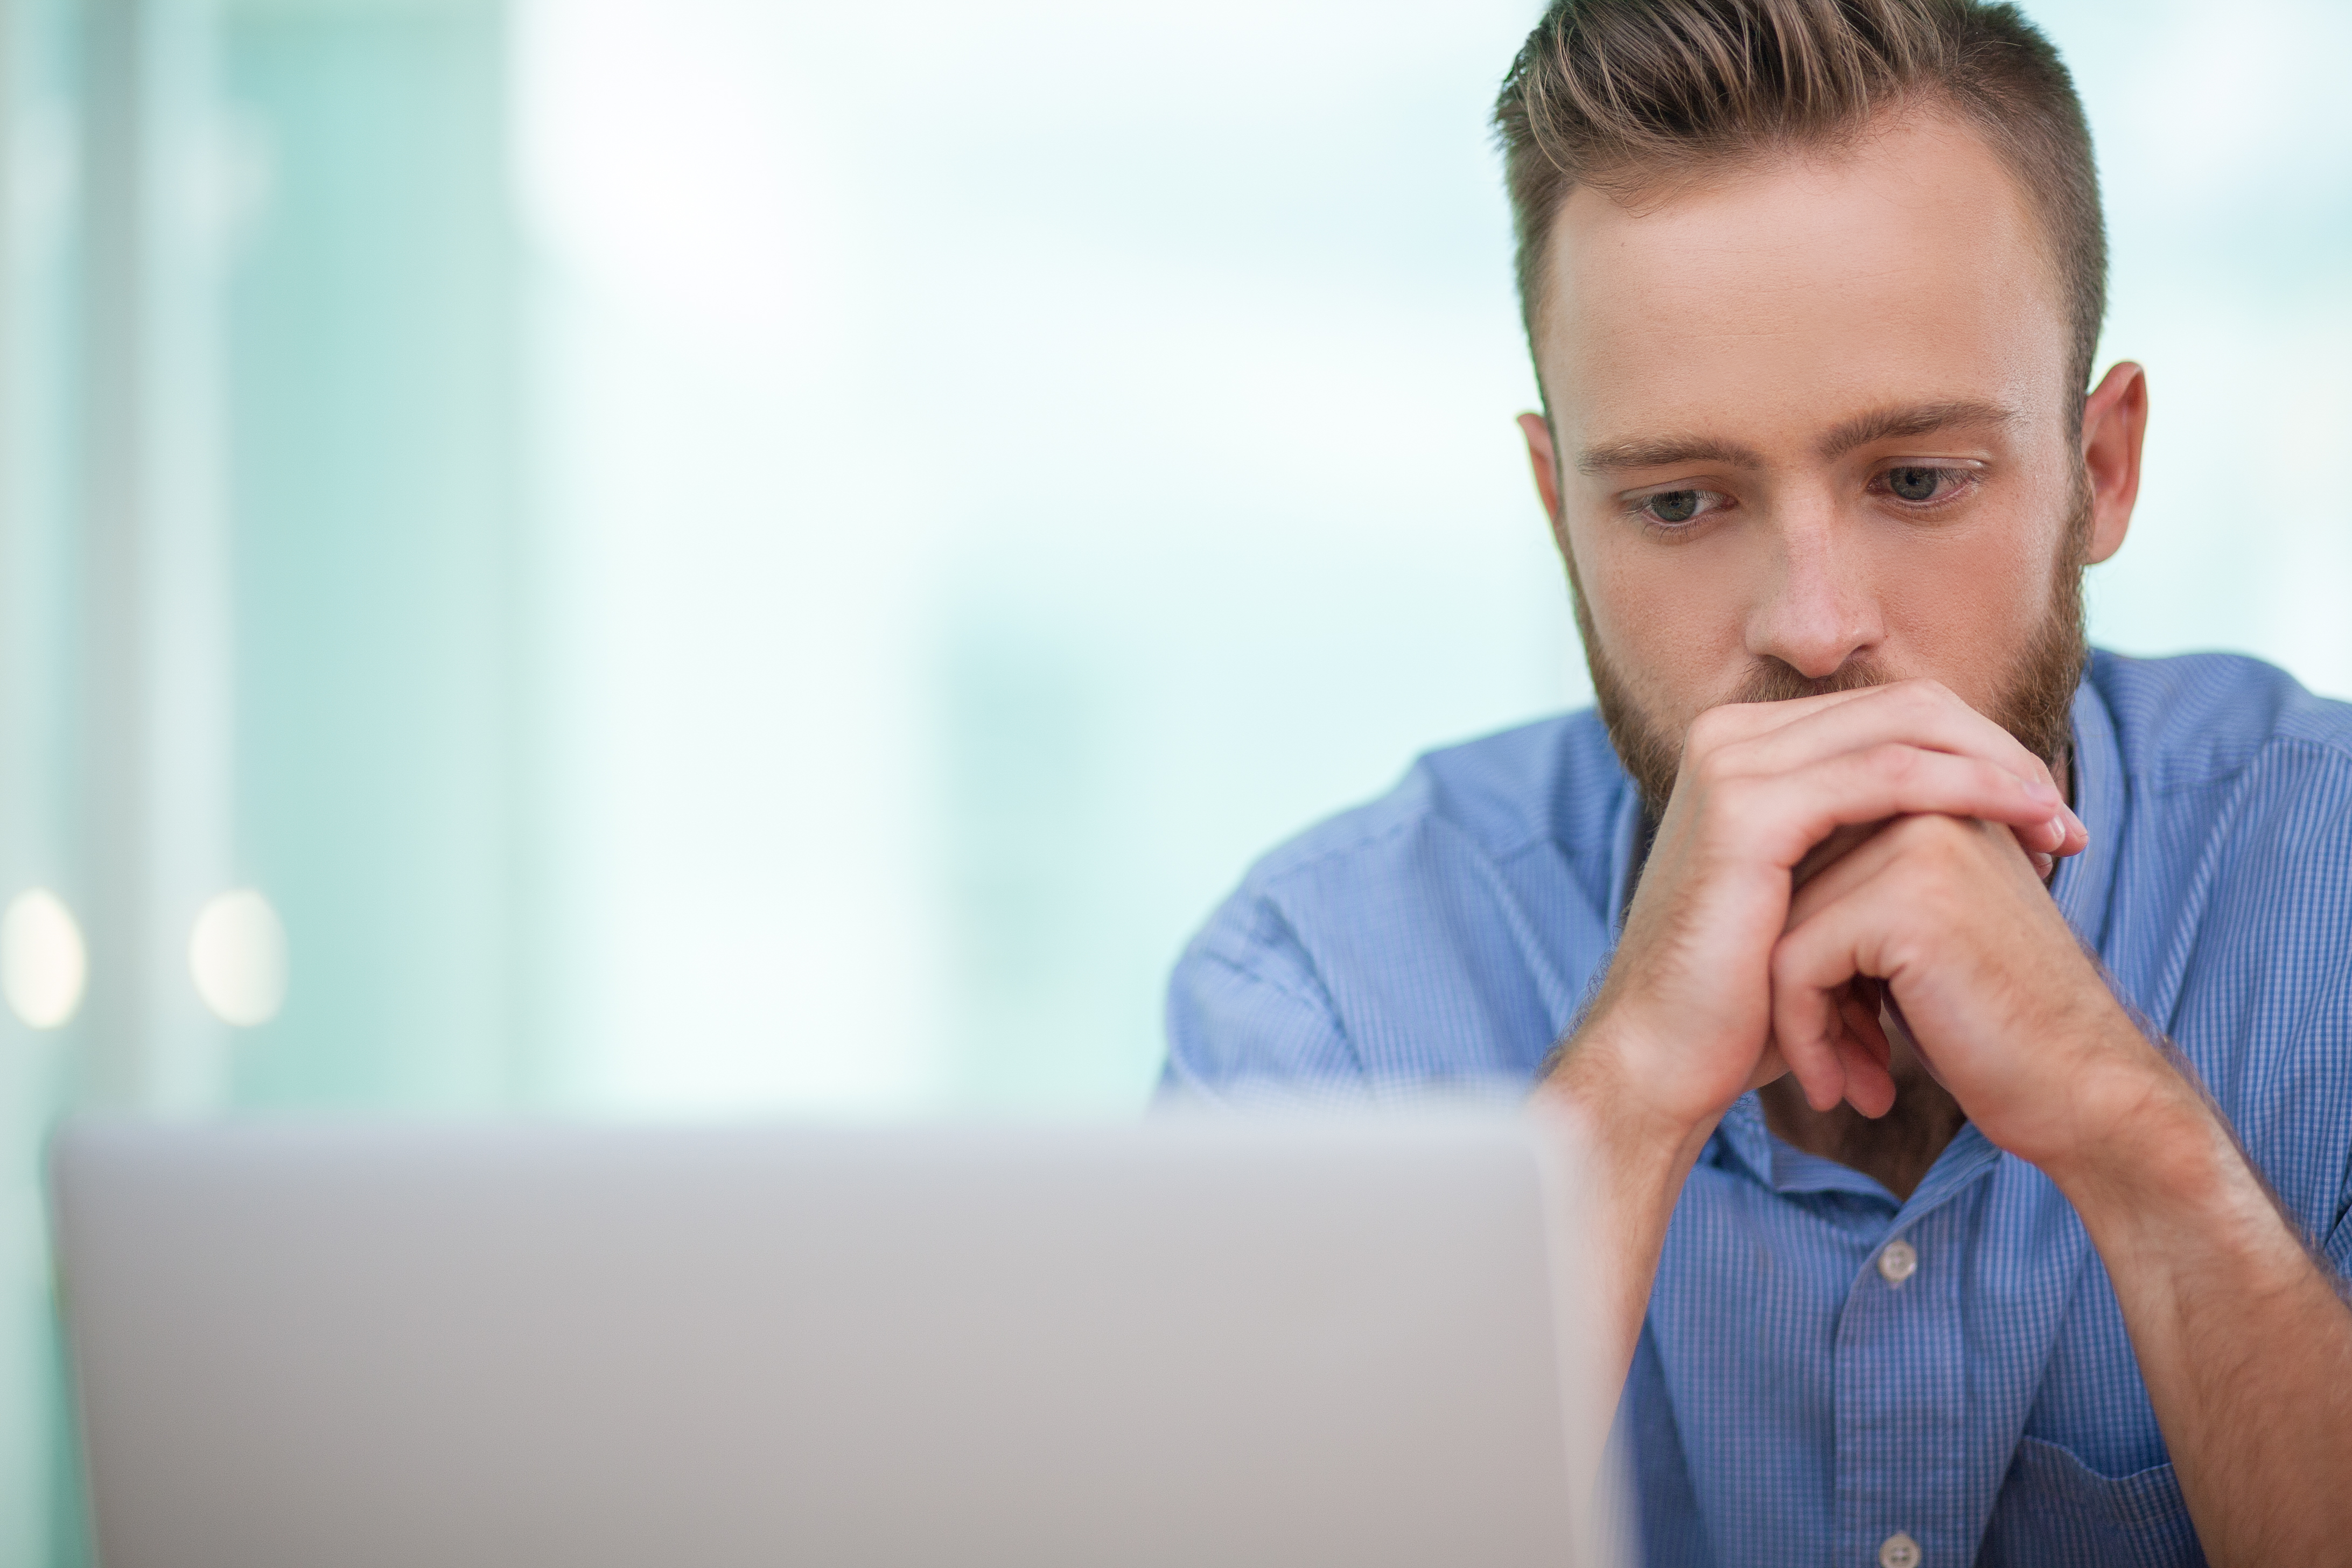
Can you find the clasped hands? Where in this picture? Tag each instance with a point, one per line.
(1816, 850)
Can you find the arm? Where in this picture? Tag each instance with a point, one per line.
(1631, 1171)
(2242, 1337)
(2243, 1341)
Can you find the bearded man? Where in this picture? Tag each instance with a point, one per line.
(1959, 1025)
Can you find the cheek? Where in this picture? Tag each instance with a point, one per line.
(1963, 610)
(1668, 619)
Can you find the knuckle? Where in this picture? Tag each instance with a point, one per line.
(1896, 763)
(1925, 833)
(1935, 846)
(1716, 767)
(1994, 779)
(1708, 732)
(1934, 706)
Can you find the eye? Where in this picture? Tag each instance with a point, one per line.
(1918, 484)
(1674, 508)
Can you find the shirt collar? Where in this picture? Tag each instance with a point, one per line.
(1741, 1141)
(2083, 883)
(1629, 846)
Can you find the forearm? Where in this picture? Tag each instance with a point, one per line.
(2243, 1339)
(1628, 1167)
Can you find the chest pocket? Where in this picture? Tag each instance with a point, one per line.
(2054, 1508)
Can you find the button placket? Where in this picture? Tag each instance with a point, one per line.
(1901, 1382)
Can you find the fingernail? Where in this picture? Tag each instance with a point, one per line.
(2076, 821)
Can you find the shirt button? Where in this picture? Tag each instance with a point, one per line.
(1897, 1261)
(1898, 1550)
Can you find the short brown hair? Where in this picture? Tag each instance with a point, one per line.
(1625, 95)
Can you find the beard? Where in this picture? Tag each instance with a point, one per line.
(2035, 700)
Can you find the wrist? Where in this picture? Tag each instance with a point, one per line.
(1597, 1085)
(2154, 1157)
(2179, 1215)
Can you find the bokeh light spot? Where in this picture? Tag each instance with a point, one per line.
(236, 955)
(44, 964)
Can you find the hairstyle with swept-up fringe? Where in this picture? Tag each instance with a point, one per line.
(1628, 95)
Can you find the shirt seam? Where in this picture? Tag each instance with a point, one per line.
(1268, 881)
(1318, 998)
(1533, 836)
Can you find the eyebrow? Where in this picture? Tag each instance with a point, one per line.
(1909, 420)
(1664, 452)
(1900, 422)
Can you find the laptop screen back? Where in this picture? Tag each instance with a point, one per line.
(1226, 1343)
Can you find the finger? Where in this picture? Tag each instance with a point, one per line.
(1895, 1027)
(1743, 720)
(1815, 965)
(1783, 818)
(1917, 712)
(1815, 1061)
(1864, 1053)
(1921, 713)
(1858, 1008)
(1861, 865)
(1846, 840)
(1830, 851)
(1838, 845)
(1865, 1078)
(1869, 1085)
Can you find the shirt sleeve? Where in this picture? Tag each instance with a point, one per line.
(1249, 1020)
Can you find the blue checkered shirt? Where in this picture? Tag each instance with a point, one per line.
(1786, 1403)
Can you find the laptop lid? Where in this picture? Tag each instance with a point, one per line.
(1222, 1342)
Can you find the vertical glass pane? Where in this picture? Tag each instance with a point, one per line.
(370, 331)
(39, 257)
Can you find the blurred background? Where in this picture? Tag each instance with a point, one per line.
(752, 557)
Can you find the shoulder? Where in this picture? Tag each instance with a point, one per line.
(2200, 720)
(1553, 782)
(1439, 934)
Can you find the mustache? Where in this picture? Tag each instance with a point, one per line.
(1771, 680)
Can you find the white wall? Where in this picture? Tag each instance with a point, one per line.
(1009, 466)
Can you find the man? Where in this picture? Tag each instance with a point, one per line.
(1911, 983)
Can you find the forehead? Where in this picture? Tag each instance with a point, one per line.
(1788, 294)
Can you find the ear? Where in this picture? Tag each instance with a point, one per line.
(2115, 422)
(1545, 462)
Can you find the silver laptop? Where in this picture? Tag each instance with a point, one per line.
(1201, 1344)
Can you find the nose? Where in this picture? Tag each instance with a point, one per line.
(1816, 606)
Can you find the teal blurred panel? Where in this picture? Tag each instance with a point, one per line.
(370, 368)
(1043, 885)
(40, 1515)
